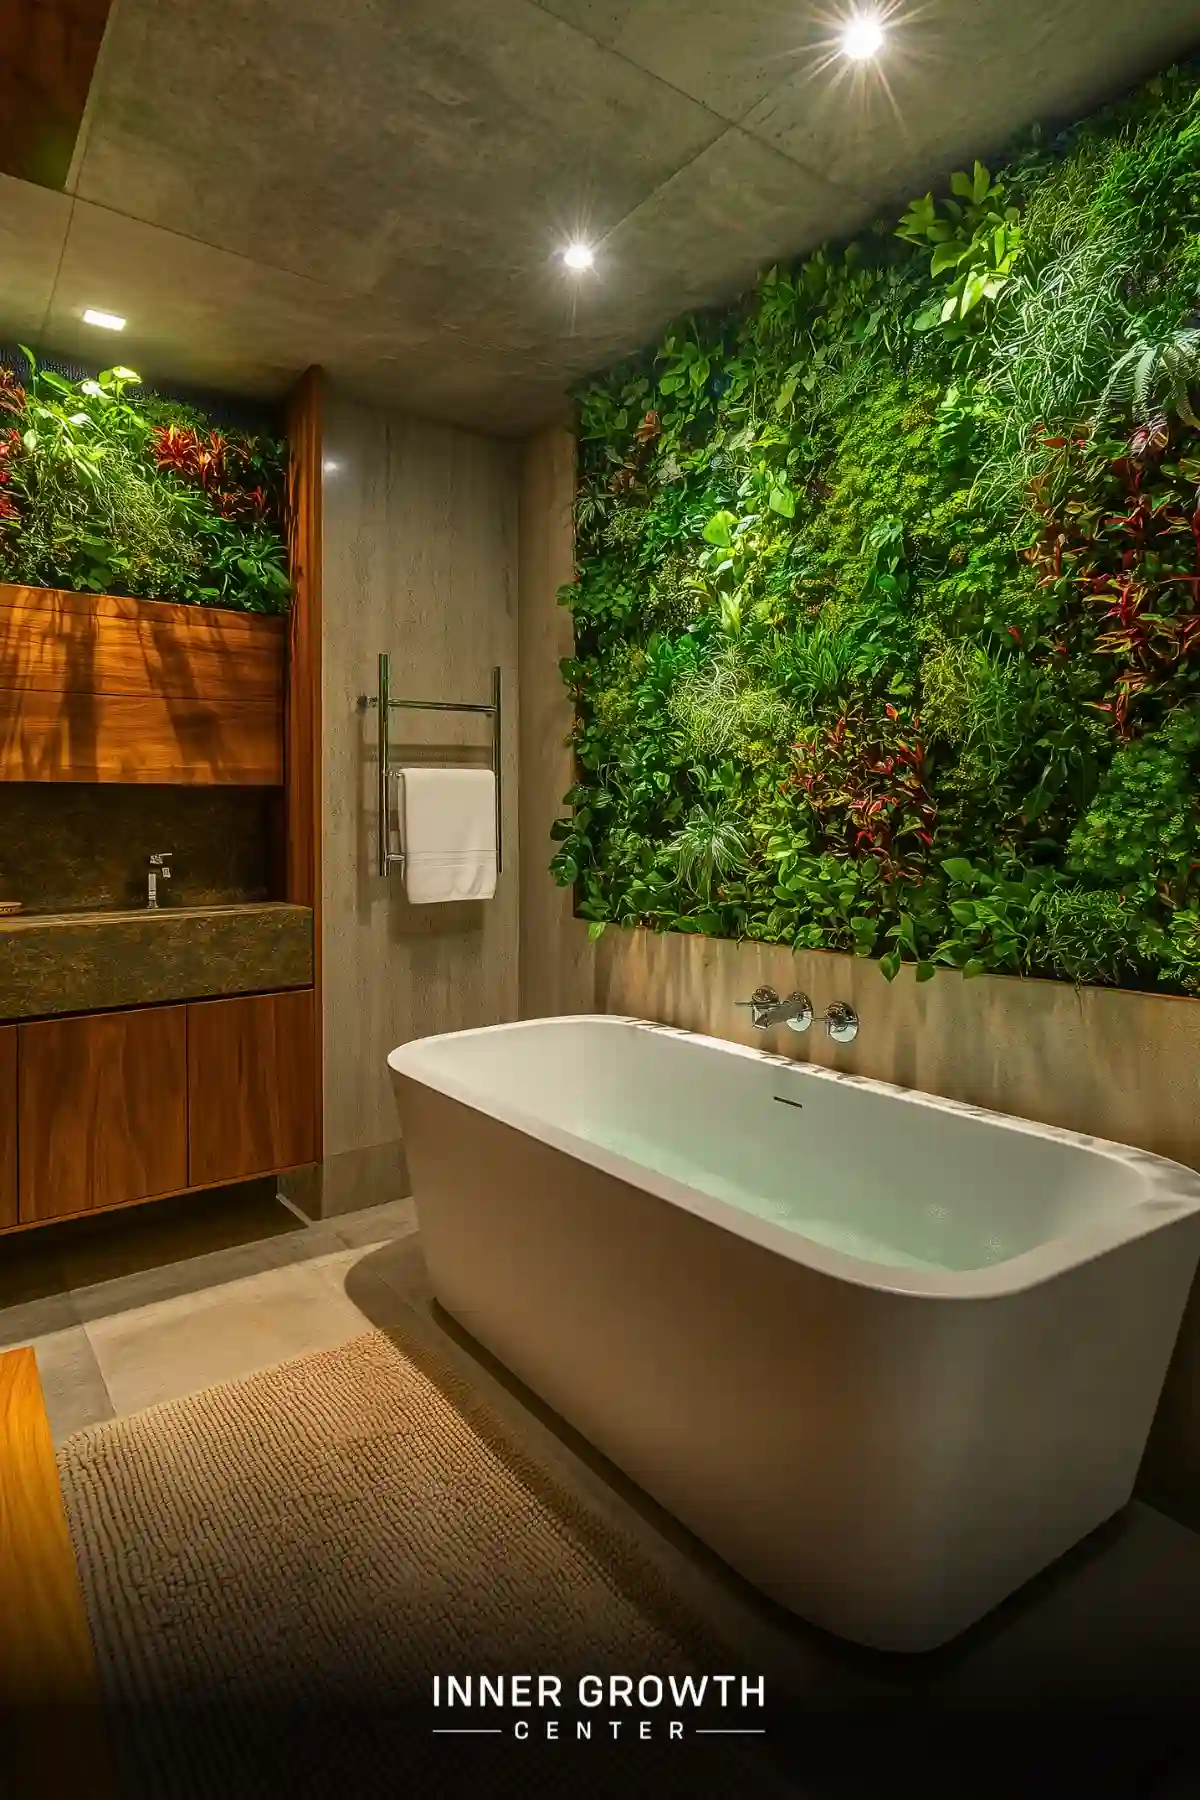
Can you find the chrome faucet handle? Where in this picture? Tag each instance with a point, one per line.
(798, 1012)
(767, 1009)
(841, 1022)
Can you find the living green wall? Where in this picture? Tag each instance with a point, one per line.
(886, 613)
(108, 488)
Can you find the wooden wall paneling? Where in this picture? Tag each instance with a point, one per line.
(48, 52)
(298, 850)
(115, 737)
(63, 642)
(303, 712)
(103, 688)
(102, 1110)
(54, 1741)
(250, 1085)
(8, 1125)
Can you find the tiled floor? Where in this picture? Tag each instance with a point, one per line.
(153, 1304)
(150, 1304)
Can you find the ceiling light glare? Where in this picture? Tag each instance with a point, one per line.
(862, 37)
(107, 321)
(579, 256)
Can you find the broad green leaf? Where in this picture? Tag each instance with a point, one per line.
(962, 185)
(783, 501)
(948, 256)
(597, 929)
(719, 529)
(974, 967)
(973, 291)
(982, 184)
(958, 868)
(786, 394)
(926, 971)
(890, 964)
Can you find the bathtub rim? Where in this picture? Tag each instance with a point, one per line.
(1171, 1194)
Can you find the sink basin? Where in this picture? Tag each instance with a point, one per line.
(53, 963)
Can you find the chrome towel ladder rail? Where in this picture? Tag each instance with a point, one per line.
(385, 705)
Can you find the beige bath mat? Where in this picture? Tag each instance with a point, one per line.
(276, 1569)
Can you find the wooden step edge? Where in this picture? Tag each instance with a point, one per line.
(49, 1693)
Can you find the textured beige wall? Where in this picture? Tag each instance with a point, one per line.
(556, 972)
(420, 549)
(1118, 1065)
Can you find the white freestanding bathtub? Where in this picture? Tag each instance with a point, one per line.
(886, 1354)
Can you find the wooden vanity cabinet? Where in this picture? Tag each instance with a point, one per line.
(251, 1086)
(101, 1110)
(8, 1125)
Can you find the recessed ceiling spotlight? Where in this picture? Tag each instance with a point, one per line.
(107, 321)
(579, 256)
(862, 37)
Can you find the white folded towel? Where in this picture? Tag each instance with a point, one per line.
(448, 833)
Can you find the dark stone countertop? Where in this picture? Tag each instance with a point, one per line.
(53, 963)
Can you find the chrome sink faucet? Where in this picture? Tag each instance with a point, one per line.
(160, 870)
(767, 1009)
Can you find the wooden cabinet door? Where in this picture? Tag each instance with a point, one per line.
(251, 1085)
(8, 1125)
(102, 1110)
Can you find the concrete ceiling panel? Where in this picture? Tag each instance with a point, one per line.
(33, 229)
(384, 188)
(728, 57)
(960, 80)
(408, 151)
(204, 317)
(733, 211)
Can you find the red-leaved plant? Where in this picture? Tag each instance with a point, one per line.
(865, 781)
(1126, 568)
(214, 463)
(10, 449)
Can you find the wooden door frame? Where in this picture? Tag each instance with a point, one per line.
(300, 851)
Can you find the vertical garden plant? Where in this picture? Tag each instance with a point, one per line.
(887, 608)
